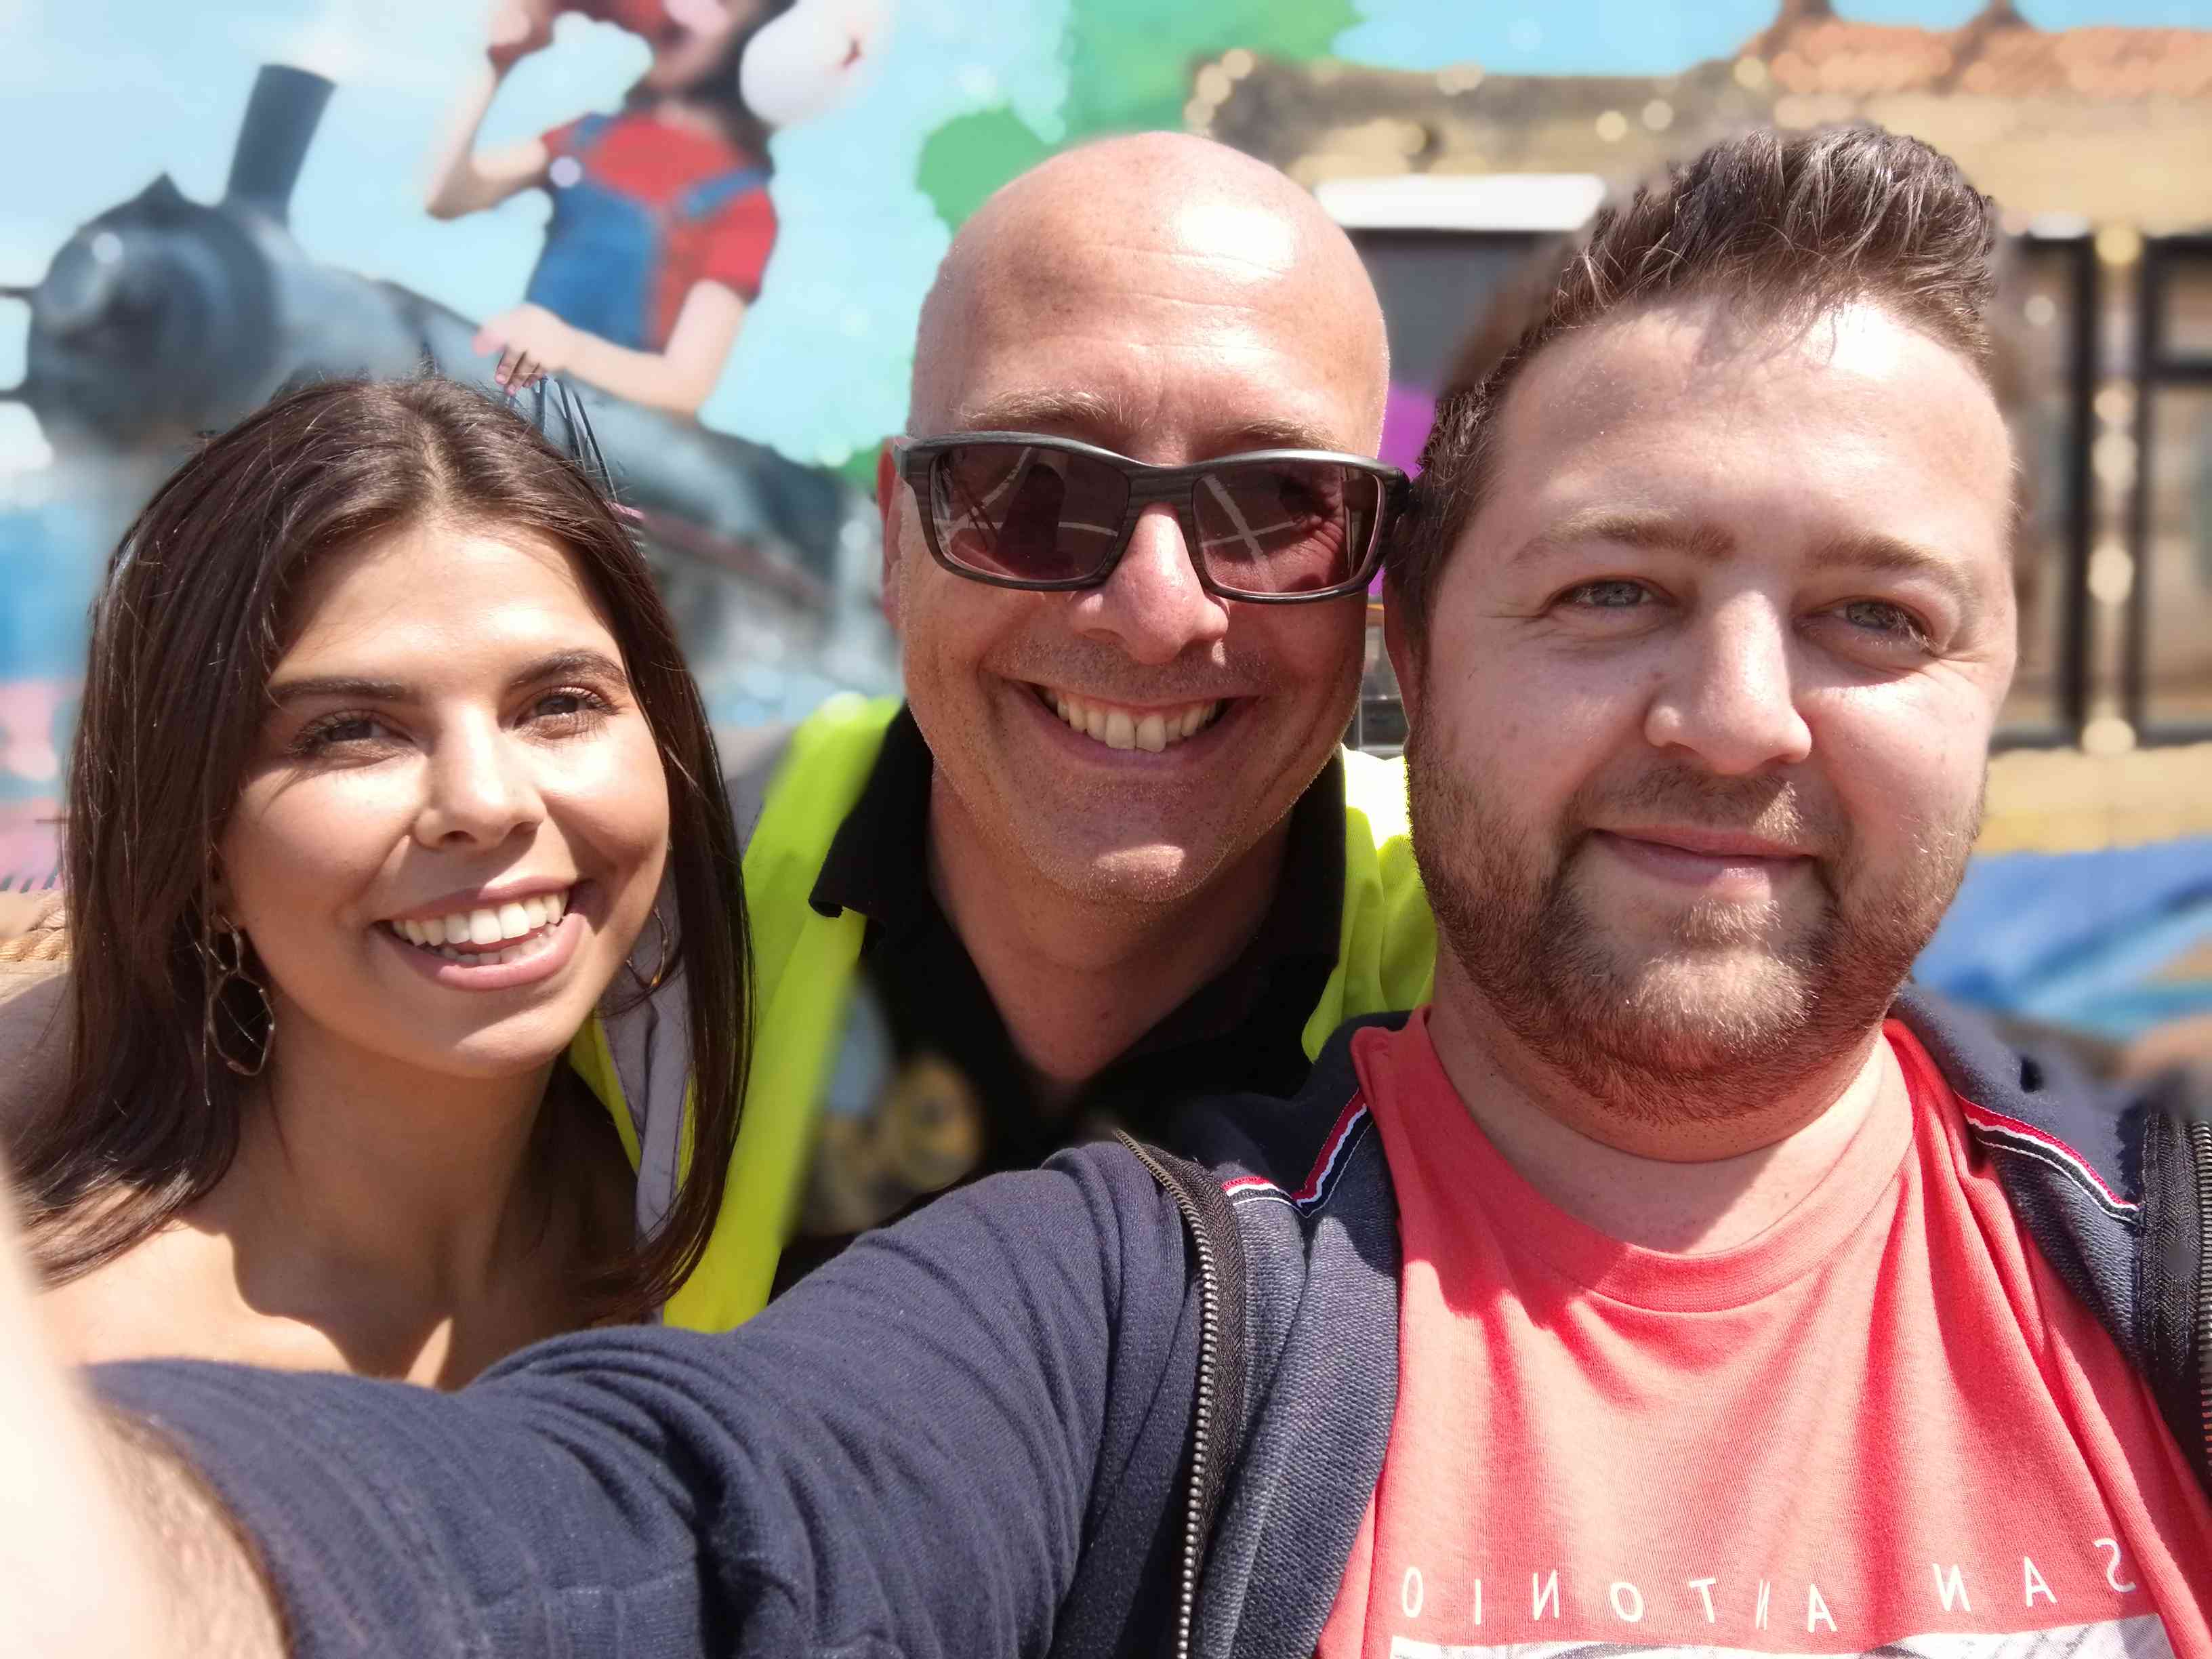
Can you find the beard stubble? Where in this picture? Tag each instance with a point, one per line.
(1671, 1034)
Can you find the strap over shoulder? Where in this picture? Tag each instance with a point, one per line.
(1223, 1355)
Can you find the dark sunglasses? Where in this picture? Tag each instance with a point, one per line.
(1275, 526)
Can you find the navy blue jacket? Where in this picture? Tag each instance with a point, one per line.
(1121, 1405)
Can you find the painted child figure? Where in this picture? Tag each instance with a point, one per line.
(662, 223)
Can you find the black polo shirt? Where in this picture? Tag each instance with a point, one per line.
(928, 1089)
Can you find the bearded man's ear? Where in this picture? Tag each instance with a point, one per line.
(1399, 639)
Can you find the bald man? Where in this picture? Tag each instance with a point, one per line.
(1108, 853)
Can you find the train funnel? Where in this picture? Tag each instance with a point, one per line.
(281, 119)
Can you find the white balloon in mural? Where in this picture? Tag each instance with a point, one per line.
(809, 60)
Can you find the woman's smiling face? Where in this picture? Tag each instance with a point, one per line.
(454, 823)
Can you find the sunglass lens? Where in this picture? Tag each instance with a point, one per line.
(1025, 512)
(1284, 527)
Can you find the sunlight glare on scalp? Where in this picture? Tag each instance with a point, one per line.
(1248, 233)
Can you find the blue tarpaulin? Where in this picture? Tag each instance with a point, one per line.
(2092, 940)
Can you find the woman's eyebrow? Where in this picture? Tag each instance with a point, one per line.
(582, 660)
(281, 692)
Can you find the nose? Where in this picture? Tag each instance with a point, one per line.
(478, 788)
(1727, 694)
(1152, 606)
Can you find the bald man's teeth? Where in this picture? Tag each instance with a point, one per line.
(1117, 729)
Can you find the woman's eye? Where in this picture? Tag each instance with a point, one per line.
(1616, 595)
(571, 709)
(342, 731)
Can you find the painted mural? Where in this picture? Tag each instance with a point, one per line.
(717, 218)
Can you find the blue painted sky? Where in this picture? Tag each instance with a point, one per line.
(97, 96)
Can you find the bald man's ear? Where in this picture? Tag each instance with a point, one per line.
(887, 505)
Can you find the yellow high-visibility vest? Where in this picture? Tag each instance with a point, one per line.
(804, 964)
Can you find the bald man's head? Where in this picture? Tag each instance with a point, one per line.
(1175, 302)
(1110, 218)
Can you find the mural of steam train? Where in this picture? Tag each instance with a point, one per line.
(164, 318)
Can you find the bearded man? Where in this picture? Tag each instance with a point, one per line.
(1672, 1281)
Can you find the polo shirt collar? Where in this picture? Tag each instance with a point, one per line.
(878, 861)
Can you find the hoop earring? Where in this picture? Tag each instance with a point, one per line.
(661, 969)
(218, 982)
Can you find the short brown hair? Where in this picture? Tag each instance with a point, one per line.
(1787, 224)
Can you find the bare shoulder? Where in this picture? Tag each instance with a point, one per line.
(176, 1294)
(160, 1297)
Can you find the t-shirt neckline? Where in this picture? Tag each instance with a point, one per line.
(1432, 1124)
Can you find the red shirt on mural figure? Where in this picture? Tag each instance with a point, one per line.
(1881, 1421)
(644, 210)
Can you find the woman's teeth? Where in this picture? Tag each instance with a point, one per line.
(1117, 729)
(529, 921)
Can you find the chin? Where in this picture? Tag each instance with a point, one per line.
(1717, 1011)
(493, 1066)
(510, 1050)
(1160, 874)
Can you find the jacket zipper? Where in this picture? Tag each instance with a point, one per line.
(1202, 1429)
(2200, 1146)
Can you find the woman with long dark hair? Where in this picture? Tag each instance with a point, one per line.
(388, 775)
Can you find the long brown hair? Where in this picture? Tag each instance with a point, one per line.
(185, 632)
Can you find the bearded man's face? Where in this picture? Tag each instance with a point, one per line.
(1701, 716)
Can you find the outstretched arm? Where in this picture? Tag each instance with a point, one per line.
(109, 1546)
(904, 1455)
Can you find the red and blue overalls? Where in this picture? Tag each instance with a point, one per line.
(642, 211)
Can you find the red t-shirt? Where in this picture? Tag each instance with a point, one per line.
(1881, 1421)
